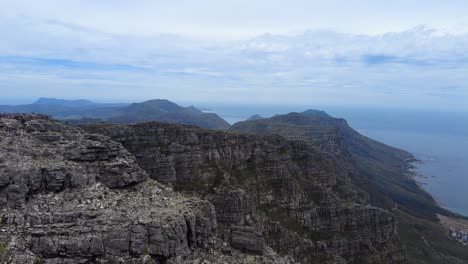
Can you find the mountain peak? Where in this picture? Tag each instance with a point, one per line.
(166, 111)
(255, 117)
(160, 105)
(317, 113)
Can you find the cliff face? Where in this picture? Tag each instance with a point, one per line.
(267, 191)
(71, 197)
(380, 170)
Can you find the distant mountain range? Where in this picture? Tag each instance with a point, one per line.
(62, 102)
(85, 112)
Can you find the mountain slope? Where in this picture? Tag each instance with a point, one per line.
(255, 117)
(166, 111)
(382, 171)
(285, 194)
(71, 197)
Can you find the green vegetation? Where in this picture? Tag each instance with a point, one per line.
(281, 215)
(39, 261)
(4, 254)
(426, 241)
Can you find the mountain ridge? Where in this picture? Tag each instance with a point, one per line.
(85, 111)
(382, 171)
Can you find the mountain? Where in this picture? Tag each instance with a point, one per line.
(284, 194)
(166, 111)
(382, 171)
(64, 109)
(61, 102)
(84, 111)
(295, 188)
(255, 117)
(71, 197)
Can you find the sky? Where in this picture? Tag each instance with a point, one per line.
(410, 54)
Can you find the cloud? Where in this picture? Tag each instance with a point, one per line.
(62, 59)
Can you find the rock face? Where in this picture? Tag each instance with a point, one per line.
(381, 170)
(267, 191)
(40, 155)
(71, 197)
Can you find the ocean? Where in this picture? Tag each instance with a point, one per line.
(438, 138)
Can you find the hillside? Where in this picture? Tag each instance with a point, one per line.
(166, 111)
(284, 194)
(382, 171)
(301, 187)
(71, 197)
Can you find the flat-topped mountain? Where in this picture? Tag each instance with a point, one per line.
(62, 102)
(65, 109)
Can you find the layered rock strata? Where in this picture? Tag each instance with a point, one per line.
(71, 197)
(291, 195)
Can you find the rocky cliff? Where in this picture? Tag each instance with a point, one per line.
(267, 191)
(380, 170)
(71, 197)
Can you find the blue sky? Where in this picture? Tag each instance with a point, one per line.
(393, 53)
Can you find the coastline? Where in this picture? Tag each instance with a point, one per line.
(412, 173)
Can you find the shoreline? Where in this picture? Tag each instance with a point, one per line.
(413, 174)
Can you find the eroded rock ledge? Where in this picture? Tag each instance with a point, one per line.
(71, 197)
(267, 191)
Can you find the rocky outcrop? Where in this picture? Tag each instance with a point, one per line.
(41, 155)
(380, 170)
(247, 239)
(299, 200)
(97, 223)
(72, 197)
